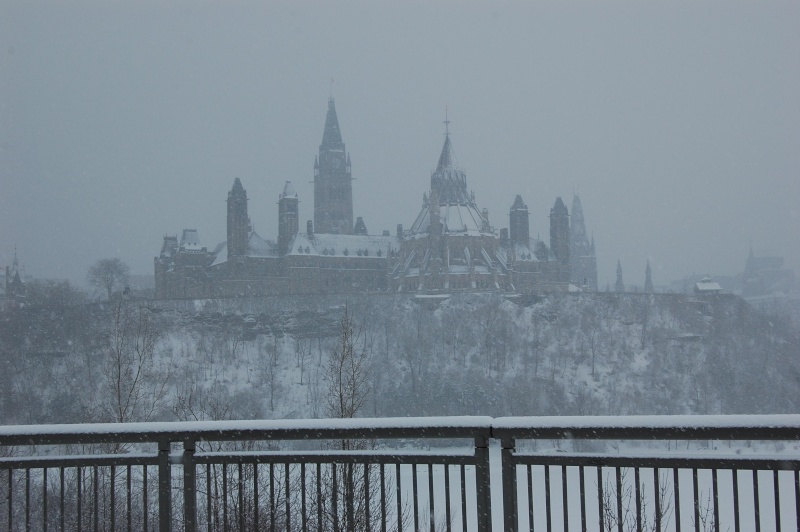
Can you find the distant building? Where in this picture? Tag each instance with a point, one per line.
(707, 287)
(766, 275)
(14, 294)
(450, 246)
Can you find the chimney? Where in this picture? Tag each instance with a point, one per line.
(400, 231)
(310, 228)
(504, 236)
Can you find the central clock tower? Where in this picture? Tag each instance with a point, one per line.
(333, 189)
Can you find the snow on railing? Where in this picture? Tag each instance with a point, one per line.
(463, 473)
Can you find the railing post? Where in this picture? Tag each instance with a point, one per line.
(189, 486)
(482, 484)
(164, 487)
(509, 472)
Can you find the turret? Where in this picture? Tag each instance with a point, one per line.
(648, 280)
(559, 231)
(360, 228)
(519, 225)
(238, 222)
(288, 217)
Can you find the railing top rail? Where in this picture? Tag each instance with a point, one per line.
(749, 427)
(728, 427)
(288, 429)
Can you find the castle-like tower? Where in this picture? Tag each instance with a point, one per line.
(518, 223)
(333, 189)
(559, 232)
(582, 258)
(288, 217)
(238, 222)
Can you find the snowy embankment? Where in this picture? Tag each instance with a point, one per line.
(584, 354)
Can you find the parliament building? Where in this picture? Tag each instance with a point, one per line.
(450, 246)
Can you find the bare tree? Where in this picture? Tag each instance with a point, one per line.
(303, 352)
(108, 274)
(269, 369)
(135, 385)
(347, 373)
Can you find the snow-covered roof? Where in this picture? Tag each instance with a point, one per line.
(256, 247)
(288, 191)
(522, 252)
(190, 240)
(368, 246)
(707, 286)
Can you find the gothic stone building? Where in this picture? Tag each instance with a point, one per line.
(450, 246)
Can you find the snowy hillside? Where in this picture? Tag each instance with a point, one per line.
(469, 354)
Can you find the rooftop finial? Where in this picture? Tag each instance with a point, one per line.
(446, 122)
(330, 97)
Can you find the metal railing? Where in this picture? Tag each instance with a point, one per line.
(406, 474)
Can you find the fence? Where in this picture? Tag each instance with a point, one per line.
(406, 474)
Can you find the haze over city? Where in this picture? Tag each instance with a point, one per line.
(677, 125)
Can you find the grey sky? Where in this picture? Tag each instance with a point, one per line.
(678, 124)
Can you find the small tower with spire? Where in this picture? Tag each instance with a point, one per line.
(518, 223)
(360, 228)
(15, 288)
(583, 261)
(559, 231)
(648, 279)
(620, 286)
(333, 187)
(238, 221)
(448, 181)
(288, 217)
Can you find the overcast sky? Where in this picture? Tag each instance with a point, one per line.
(678, 123)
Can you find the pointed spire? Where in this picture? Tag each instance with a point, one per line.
(577, 224)
(331, 136)
(619, 287)
(648, 279)
(448, 180)
(577, 208)
(237, 187)
(446, 157)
